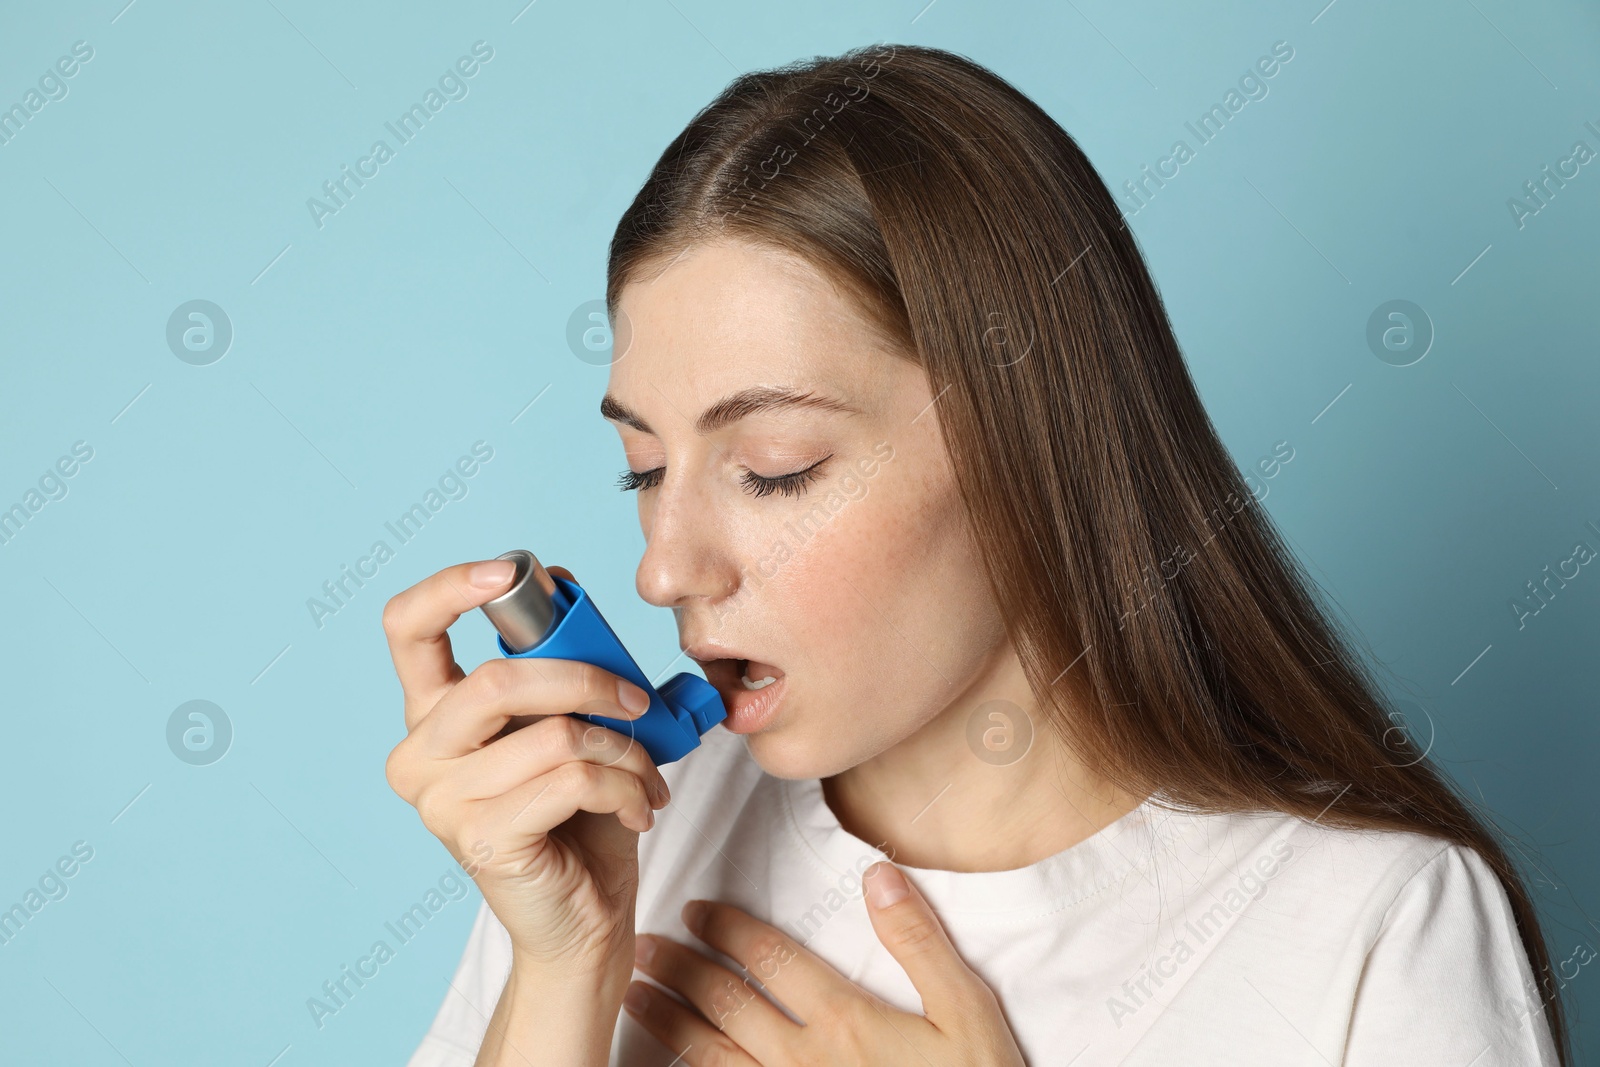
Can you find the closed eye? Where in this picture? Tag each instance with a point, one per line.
(631, 479)
(791, 484)
(788, 484)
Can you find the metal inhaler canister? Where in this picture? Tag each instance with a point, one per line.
(548, 617)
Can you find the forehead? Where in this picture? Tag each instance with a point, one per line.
(726, 315)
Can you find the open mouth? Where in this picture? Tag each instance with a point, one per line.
(733, 674)
(756, 675)
(750, 689)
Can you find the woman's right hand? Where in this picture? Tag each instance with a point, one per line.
(545, 808)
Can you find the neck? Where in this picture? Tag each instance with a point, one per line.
(992, 795)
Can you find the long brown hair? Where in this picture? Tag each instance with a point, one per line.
(1170, 635)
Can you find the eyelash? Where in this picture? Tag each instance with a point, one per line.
(792, 484)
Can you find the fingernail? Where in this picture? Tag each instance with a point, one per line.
(886, 885)
(636, 998)
(644, 949)
(633, 698)
(493, 573)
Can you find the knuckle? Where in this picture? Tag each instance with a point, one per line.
(397, 769)
(606, 745)
(594, 687)
(393, 610)
(593, 680)
(768, 953)
(560, 737)
(916, 934)
(433, 808)
(481, 853)
(576, 777)
(720, 1052)
(493, 680)
(727, 999)
(638, 797)
(982, 1010)
(837, 1016)
(578, 736)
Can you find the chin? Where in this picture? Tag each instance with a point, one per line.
(797, 757)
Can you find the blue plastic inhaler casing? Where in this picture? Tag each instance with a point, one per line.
(544, 616)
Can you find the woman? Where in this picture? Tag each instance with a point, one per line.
(1040, 746)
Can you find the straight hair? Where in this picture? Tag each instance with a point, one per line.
(974, 234)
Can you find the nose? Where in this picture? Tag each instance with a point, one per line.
(685, 558)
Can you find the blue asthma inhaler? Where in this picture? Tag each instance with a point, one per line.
(548, 617)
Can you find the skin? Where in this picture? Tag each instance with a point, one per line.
(880, 618)
(882, 610)
(890, 646)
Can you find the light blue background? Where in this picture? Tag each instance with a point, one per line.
(371, 353)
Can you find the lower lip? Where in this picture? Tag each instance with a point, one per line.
(751, 709)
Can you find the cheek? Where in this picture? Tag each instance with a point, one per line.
(888, 612)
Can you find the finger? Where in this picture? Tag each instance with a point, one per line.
(801, 980)
(474, 710)
(417, 622)
(693, 1040)
(550, 799)
(507, 763)
(729, 1002)
(562, 572)
(916, 939)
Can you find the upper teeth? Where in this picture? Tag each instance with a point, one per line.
(763, 683)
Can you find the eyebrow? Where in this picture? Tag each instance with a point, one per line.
(733, 407)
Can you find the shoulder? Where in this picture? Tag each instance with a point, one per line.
(1369, 871)
(1450, 931)
(1376, 881)
(1376, 946)
(1418, 931)
(1357, 872)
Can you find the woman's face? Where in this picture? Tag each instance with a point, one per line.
(821, 540)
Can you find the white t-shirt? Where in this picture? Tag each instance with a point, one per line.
(1164, 938)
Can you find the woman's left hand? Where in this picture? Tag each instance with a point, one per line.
(734, 1024)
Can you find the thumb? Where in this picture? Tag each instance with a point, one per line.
(916, 939)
